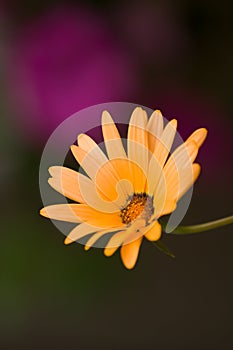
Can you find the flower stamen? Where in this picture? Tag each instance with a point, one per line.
(140, 205)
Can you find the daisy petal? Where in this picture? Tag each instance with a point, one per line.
(131, 235)
(128, 235)
(62, 212)
(65, 181)
(168, 207)
(89, 145)
(154, 129)
(113, 187)
(90, 157)
(95, 159)
(139, 177)
(155, 171)
(154, 233)
(188, 180)
(198, 136)
(126, 170)
(164, 143)
(180, 181)
(110, 251)
(95, 217)
(112, 139)
(182, 157)
(79, 232)
(82, 213)
(179, 166)
(79, 188)
(129, 253)
(163, 203)
(137, 143)
(115, 150)
(86, 160)
(159, 197)
(102, 174)
(114, 243)
(124, 178)
(97, 236)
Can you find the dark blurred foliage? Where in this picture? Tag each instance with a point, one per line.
(53, 296)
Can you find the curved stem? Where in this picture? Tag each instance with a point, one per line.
(161, 246)
(184, 230)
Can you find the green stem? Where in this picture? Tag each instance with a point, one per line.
(184, 230)
(161, 246)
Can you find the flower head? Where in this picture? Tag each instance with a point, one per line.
(124, 193)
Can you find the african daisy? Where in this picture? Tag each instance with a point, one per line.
(125, 192)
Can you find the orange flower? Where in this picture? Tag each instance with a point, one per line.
(125, 193)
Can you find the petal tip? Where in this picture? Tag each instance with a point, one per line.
(138, 108)
(174, 123)
(67, 240)
(205, 130)
(80, 137)
(158, 111)
(204, 135)
(106, 118)
(50, 180)
(129, 266)
(43, 212)
(51, 170)
(109, 251)
(55, 170)
(74, 149)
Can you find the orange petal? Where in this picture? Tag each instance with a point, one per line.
(65, 181)
(97, 218)
(82, 213)
(189, 179)
(164, 143)
(179, 166)
(102, 173)
(182, 157)
(116, 240)
(62, 212)
(109, 176)
(154, 129)
(92, 240)
(110, 251)
(179, 182)
(110, 185)
(79, 188)
(155, 171)
(198, 136)
(154, 233)
(112, 139)
(168, 207)
(129, 253)
(137, 144)
(132, 173)
(160, 195)
(79, 232)
(90, 146)
(128, 235)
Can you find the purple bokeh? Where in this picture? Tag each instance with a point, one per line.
(65, 60)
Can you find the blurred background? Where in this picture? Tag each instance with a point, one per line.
(58, 57)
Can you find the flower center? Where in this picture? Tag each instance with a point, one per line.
(140, 205)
